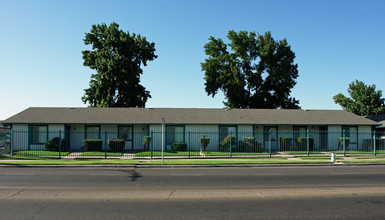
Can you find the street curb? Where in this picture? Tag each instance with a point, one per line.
(191, 166)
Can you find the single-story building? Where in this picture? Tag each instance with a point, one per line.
(34, 126)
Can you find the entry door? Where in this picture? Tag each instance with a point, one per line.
(270, 138)
(323, 138)
(67, 138)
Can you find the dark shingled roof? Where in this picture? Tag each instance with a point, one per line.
(37, 115)
(377, 118)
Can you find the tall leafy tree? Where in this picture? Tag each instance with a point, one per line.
(117, 57)
(364, 100)
(253, 71)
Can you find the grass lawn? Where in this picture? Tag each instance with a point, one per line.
(368, 157)
(246, 158)
(39, 153)
(358, 152)
(102, 154)
(167, 153)
(300, 152)
(153, 162)
(363, 161)
(219, 153)
(71, 162)
(317, 157)
(228, 162)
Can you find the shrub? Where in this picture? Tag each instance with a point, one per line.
(92, 144)
(204, 142)
(146, 142)
(116, 145)
(53, 144)
(224, 145)
(179, 146)
(302, 143)
(341, 142)
(286, 143)
(249, 144)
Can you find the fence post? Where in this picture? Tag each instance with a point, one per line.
(270, 142)
(151, 143)
(230, 145)
(189, 142)
(343, 141)
(163, 139)
(374, 143)
(105, 145)
(307, 141)
(59, 143)
(12, 143)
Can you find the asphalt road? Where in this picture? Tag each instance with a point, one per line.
(295, 192)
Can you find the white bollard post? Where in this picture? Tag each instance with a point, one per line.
(333, 158)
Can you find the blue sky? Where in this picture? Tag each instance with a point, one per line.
(335, 42)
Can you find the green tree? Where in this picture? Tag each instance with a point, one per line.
(117, 57)
(364, 100)
(257, 71)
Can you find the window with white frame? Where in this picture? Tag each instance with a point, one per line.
(175, 134)
(92, 132)
(225, 130)
(125, 132)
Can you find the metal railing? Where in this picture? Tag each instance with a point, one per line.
(190, 144)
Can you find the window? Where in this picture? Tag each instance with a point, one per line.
(351, 132)
(175, 134)
(270, 133)
(92, 132)
(39, 134)
(299, 131)
(125, 132)
(224, 131)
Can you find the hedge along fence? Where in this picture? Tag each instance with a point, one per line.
(249, 144)
(227, 143)
(204, 142)
(286, 143)
(341, 142)
(146, 142)
(179, 146)
(53, 144)
(116, 145)
(92, 144)
(303, 143)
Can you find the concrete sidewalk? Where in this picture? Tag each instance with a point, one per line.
(274, 160)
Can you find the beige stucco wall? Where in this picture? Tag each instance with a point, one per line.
(195, 132)
(20, 137)
(139, 132)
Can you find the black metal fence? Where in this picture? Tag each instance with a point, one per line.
(190, 144)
